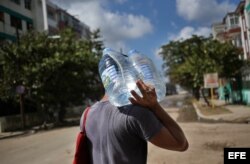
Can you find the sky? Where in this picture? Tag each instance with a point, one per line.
(146, 25)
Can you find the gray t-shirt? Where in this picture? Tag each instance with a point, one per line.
(119, 135)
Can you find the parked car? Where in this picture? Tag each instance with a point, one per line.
(170, 89)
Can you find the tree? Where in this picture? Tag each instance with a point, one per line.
(57, 73)
(96, 42)
(187, 61)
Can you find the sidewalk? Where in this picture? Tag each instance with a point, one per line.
(32, 130)
(239, 113)
(43, 127)
(5, 135)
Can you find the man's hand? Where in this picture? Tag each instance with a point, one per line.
(170, 136)
(149, 97)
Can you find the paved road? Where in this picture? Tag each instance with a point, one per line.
(57, 146)
(206, 140)
(206, 144)
(49, 147)
(173, 101)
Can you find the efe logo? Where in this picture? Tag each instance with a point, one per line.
(236, 155)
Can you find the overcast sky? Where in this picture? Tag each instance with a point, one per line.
(145, 25)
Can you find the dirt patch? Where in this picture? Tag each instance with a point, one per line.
(207, 110)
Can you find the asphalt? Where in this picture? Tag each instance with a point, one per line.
(238, 114)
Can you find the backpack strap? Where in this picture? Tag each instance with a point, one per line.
(85, 117)
(81, 152)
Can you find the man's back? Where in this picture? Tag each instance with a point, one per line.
(119, 136)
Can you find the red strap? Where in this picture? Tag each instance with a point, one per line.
(85, 117)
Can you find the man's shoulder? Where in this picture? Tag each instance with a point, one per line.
(101, 104)
(133, 108)
(137, 112)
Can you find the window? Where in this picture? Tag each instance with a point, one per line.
(51, 13)
(232, 21)
(27, 4)
(16, 22)
(16, 1)
(29, 26)
(1, 16)
(236, 20)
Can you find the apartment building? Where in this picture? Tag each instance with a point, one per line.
(64, 20)
(19, 16)
(228, 30)
(218, 29)
(241, 12)
(58, 19)
(235, 28)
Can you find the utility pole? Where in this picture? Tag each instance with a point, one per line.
(20, 89)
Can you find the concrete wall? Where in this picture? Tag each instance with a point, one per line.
(9, 123)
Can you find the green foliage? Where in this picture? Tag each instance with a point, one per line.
(187, 61)
(56, 72)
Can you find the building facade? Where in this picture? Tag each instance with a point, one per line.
(240, 11)
(218, 31)
(235, 28)
(59, 19)
(19, 16)
(228, 30)
(16, 17)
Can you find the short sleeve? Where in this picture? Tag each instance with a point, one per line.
(144, 123)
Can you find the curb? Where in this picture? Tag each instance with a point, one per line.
(33, 130)
(200, 116)
(16, 134)
(203, 118)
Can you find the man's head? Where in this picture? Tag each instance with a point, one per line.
(100, 90)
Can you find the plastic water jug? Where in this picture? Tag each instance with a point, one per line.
(118, 76)
(148, 72)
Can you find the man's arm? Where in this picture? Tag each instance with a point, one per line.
(171, 135)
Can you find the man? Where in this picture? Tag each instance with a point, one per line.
(226, 94)
(120, 135)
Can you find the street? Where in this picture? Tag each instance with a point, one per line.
(206, 143)
(49, 147)
(206, 140)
